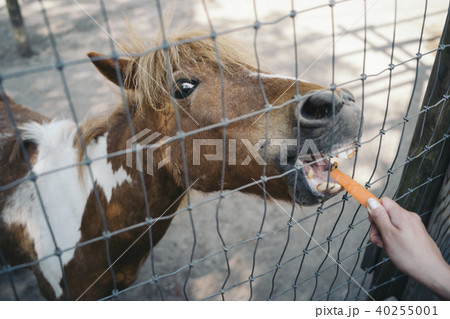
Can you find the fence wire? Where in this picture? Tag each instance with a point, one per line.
(335, 272)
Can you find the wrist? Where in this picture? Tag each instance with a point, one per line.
(440, 284)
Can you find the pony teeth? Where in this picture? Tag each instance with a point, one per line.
(332, 187)
(321, 187)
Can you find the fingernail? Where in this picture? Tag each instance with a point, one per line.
(372, 204)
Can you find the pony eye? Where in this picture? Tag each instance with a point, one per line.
(184, 88)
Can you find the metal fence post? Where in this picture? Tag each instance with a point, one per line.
(432, 125)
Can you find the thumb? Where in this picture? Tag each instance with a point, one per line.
(379, 215)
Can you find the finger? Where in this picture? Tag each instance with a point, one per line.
(379, 216)
(375, 236)
(397, 214)
(374, 230)
(377, 241)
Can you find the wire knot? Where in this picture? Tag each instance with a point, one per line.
(166, 45)
(87, 160)
(297, 98)
(33, 176)
(59, 65)
(6, 268)
(106, 234)
(58, 252)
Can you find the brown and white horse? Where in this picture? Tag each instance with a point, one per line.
(46, 217)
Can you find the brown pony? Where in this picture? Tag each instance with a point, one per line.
(66, 216)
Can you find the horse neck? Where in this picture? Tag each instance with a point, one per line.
(162, 190)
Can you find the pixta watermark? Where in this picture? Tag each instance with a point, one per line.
(148, 141)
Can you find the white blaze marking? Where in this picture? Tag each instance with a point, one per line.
(63, 195)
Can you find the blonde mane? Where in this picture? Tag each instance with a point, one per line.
(149, 72)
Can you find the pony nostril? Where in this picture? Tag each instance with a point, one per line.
(347, 95)
(321, 105)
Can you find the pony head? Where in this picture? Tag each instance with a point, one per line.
(230, 124)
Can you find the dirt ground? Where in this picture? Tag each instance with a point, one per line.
(239, 217)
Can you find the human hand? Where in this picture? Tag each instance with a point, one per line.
(405, 240)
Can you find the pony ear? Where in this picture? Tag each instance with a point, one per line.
(107, 67)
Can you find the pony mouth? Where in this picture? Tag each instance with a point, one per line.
(315, 170)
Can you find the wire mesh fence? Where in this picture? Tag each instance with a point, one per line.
(226, 245)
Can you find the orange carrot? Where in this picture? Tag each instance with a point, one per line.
(357, 191)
